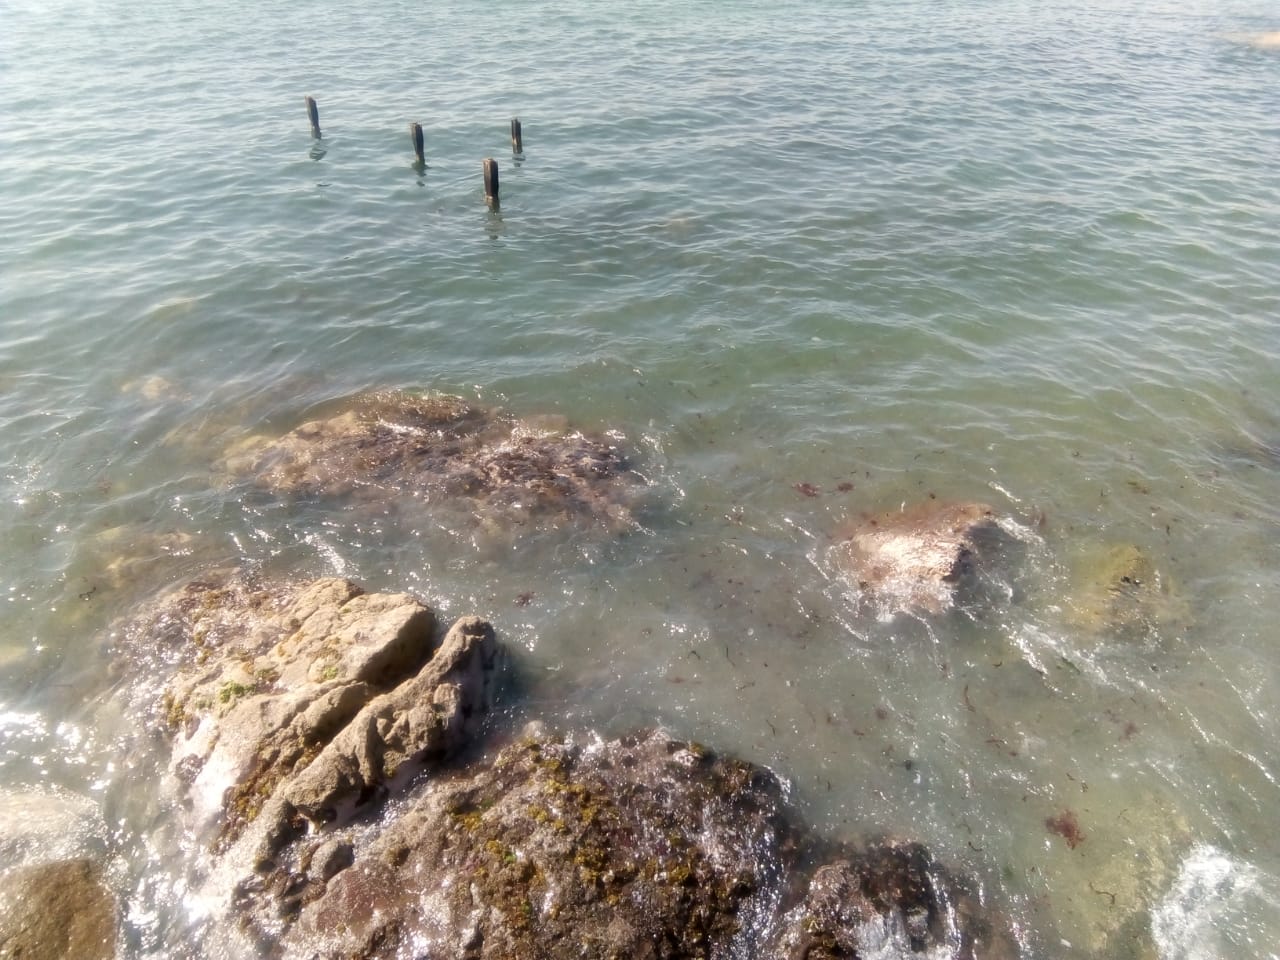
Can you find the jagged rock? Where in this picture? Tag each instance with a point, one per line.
(389, 445)
(1119, 590)
(916, 559)
(53, 911)
(429, 716)
(288, 699)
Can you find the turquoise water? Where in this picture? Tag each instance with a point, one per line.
(989, 251)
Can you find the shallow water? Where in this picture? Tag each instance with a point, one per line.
(976, 251)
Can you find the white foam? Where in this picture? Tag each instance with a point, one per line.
(1210, 903)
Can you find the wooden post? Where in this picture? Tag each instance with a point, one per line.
(491, 180)
(314, 113)
(415, 131)
(517, 143)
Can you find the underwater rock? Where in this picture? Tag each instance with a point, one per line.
(48, 823)
(1259, 41)
(290, 700)
(127, 555)
(389, 445)
(52, 911)
(1114, 879)
(1119, 590)
(915, 560)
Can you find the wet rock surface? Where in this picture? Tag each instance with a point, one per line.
(511, 472)
(920, 559)
(318, 741)
(303, 700)
(54, 911)
(645, 846)
(892, 897)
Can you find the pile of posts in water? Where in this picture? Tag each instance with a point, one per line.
(489, 165)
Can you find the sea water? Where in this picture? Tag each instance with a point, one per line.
(810, 261)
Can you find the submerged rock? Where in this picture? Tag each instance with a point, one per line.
(1119, 589)
(511, 472)
(918, 559)
(53, 911)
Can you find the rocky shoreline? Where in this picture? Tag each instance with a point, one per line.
(337, 755)
(316, 731)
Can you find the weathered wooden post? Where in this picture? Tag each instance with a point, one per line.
(491, 181)
(517, 143)
(415, 131)
(314, 113)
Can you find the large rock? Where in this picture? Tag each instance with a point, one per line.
(917, 559)
(55, 911)
(645, 847)
(305, 699)
(318, 734)
(512, 473)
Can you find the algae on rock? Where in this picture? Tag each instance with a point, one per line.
(513, 473)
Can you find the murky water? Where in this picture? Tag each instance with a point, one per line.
(810, 261)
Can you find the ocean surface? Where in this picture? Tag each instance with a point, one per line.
(809, 261)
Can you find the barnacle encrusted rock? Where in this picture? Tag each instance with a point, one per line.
(383, 446)
(318, 736)
(918, 558)
(645, 847)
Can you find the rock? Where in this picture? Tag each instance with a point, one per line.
(1119, 590)
(641, 847)
(154, 387)
(916, 560)
(46, 823)
(53, 911)
(291, 699)
(429, 716)
(892, 900)
(512, 473)
(1261, 41)
(303, 717)
(130, 553)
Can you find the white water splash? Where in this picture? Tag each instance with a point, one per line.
(1206, 914)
